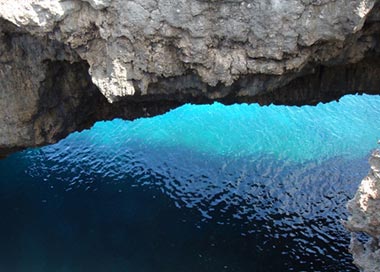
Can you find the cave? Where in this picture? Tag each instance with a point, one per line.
(66, 65)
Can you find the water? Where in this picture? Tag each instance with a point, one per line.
(201, 188)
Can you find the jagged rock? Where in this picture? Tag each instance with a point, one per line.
(365, 218)
(66, 64)
(147, 56)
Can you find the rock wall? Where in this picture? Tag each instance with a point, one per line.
(66, 64)
(365, 210)
(147, 56)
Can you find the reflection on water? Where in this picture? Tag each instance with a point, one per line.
(202, 188)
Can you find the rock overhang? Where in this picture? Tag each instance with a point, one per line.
(67, 64)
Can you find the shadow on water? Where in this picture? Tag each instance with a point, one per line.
(131, 200)
(246, 214)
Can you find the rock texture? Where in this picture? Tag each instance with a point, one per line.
(365, 209)
(66, 64)
(147, 56)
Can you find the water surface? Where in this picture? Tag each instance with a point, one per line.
(201, 188)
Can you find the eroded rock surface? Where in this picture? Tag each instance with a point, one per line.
(66, 64)
(365, 218)
(147, 56)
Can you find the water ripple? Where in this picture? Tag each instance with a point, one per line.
(280, 174)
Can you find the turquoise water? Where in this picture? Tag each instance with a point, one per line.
(348, 128)
(201, 188)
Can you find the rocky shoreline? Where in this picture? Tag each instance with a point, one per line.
(365, 218)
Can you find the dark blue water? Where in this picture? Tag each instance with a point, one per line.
(202, 188)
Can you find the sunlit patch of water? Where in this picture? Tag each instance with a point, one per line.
(266, 183)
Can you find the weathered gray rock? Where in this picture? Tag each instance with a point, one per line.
(131, 44)
(66, 64)
(365, 218)
(168, 52)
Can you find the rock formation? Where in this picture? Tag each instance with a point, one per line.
(365, 209)
(66, 64)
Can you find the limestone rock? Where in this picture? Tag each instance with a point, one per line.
(147, 56)
(131, 44)
(67, 64)
(365, 218)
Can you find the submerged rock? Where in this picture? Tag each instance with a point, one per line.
(365, 218)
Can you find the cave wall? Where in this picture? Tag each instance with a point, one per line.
(67, 64)
(365, 219)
